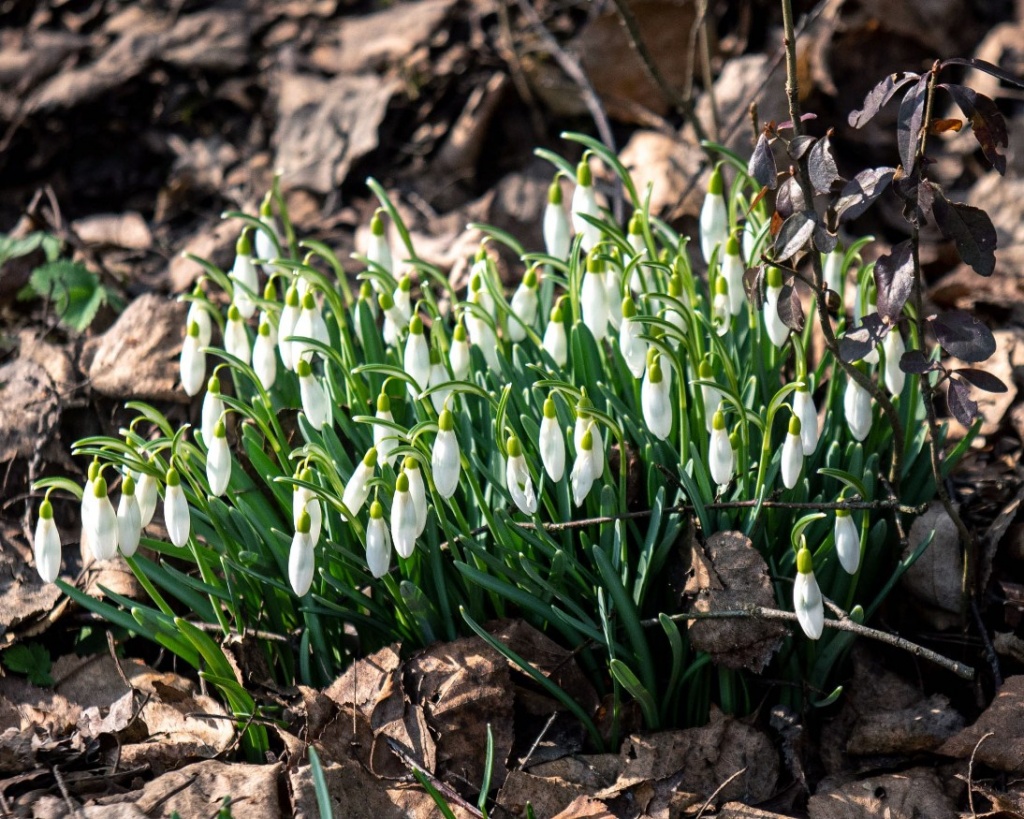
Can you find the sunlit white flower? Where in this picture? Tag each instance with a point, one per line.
(286, 325)
(807, 600)
(176, 513)
(585, 423)
(236, 337)
(417, 357)
(102, 523)
(304, 500)
(365, 298)
(732, 272)
(218, 460)
(445, 458)
(584, 203)
(46, 544)
(357, 490)
(557, 238)
(378, 250)
(613, 289)
(857, 408)
(656, 402)
(244, 278)
(776, 328)
(458, 356)
(89, 503)
(584, 469)
(310, 324)
(268, 242)
(792, 454)
(302, 557)
(378, 542)
(711, 396)
(394, 321)
(385, 438)
(847, 541)
(633, 348)
(714, 217)
(264, 357)
(524, 307)
(832, 269)
(594, 299)
(635, 235)
(479, 274)
(315, 403)
(672, 312)
(438, 376)
(551, 443)
(418, 491)
(403, 297)
(894, 348)
(555, 342)
(481, 333)
(517, 478)
(129, 518)
(721, 458)
(403, 517)
(199, 312)
(213, 408)
(146, 492)
(193, 361)
(720, 309)
(804, 409)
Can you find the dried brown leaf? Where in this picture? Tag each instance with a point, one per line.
(1004, 718)
(917, 792)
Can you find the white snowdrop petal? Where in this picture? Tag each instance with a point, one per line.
(847, 540)
(808, 605)
(378, 547)
(218, 465)
(301, 563)
(552, 448)
(445, 463)
(792, 459)
(129, 524)
(47, 549)
(176, 515)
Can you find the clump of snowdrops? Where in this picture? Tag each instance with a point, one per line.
(410, 460)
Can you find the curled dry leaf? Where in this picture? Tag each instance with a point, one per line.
(917, 792)
(762, 163)
(794, 235)
(1004, 718)
(878, 96)
(858, 194)
(894, 279)
(911, 118)
(935, 579)
(987, 123)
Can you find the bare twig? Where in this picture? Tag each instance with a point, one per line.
(446, 790)
(543, 732)
(970, 773)
(718, 790)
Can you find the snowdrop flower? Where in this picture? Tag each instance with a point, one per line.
(584, 203)
(385, 439)
(732, 272)
(218, 460)
(721, 458)
(193, 361)
(418, 491)
(304, 500)
(146, 492)
(268, 239)
(857, 408)
(712, 396)
(847, 541)
(394, 321)
(102, 523)
(714, 217)
(89, 501)
(555, 342)
(637, 242)
(807, 601)
(438, 376)
(310, 324)
(792, 454)
(458, 355)
(176, 514)
(46, 544)
(378, 542)
(244, 277)
(613, 289)
(551, 443)
(403, 517)
(302, 557)
(777, 331)
(286, 326)
(633, 348)
(894, 348)
(524, 307)
(585, 423)
(378, 250)
(804, 409)
(832, 269)
(666, 372)
(213, 408)
(199, 312)
(417, 357)
(557, 239)
(445, 458)
(264, 359)
(357, 490)
(720, 308)
(478, 276)
(236, 338)
(403, 297)
(315, 403)
(481, 333)
(517, 477)
(129, 518)
(655, 401)
(584, 469)
(594, 299)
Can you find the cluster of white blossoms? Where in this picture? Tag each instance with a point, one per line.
(636, 305)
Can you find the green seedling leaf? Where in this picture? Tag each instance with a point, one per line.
(75, 291)
(32, 660)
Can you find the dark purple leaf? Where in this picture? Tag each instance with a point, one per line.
(790, 310)
(982, 380)
(790, 198)
(963, 336)
(961, 407)
(821, 166)
(753, 286)
(824, 241)
(861, 191)
(762, 164)
(970, 229)
(987, 123)
(833, 301)
(894, 280)
(878, 96)
(917, 195)
(916, 362)
(794, 235)
(798, 146)
(788, 124)
(861, 340)
(987, 67)
(908, 126)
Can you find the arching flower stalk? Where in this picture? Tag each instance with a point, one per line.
(525, 304)
(792, 454)
(129, 518)
(315, 403)
(555, 342)
(584, 203)
(310, 324)
(721, 457)
(378, 542)
(403, 297)
(302, 557)
(551, 443)
(199, 312)
(557, 236)
(585, 423)
(394, 321)
(244, 278)
(417, 357)
(218, 460)
(193, 361)
(46, 544)
(656, 402)
(847, 540)
(268, 242)
(714, 216)
(482, 334)
(633, 348)
(403, 517)
(146, 492)
(176, 514)
(517, 477)
(807, 600)
(357, 490)
(672, 312)
(236, 337)
(445, 458)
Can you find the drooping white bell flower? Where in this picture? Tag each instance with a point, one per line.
(213, 408)
(594, 299)
(146, 492)
(394, 321)
(357, 490)
(804, 409)
(310, 324)
(315, 403)
(403, 297)
(777, 330)
(236, 337)
(302, 557)
(365, 297)
(193, 362)
(199, 312)
(711, 396)
(714, 216)
(894, 348)
(46, 544)
(636, 241)
(557, 234)
(304, 500)
(857, 408)
(286, 326)
(378, 542)
(458, 355)
(385, 439)
(613, 290)
(89, 503)
(555, 342)
(417, 357)
(584, 469)
(264, 357)
(176, 514)
(847, 540)
(633, 348)
(525, 304)
(418, 490)
(244, 278)
(792, 454)
(482, 335)
(445, 458)
(218, 460)
(720, 309)
(551, 443)
(129, 518)
(517, 477)
(584, 203)
(732, 272)
(438, 376)
(403, 517)
(656, 402)
(807, 601)
(102, 522)
(268, 243)
(832, 270)
(672, 312)
(479, 275)
(378, 249)
(585, 423)
(721, 458)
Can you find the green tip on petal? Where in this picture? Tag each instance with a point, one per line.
(515, 449)
(460, 332)
(270, 291)
(435, 357)
(306, 475)
(219, 430)
(264, 329)
(555, 193)
(377, 225)
(416, 325)
(385, 301)
(291, 298)
(628, 307)
(718, 420)
(595, 264)
(46, 509)
(304, 523)
(716, 186)
(308, 302)
(556, 314)
(402, 484)
(705, 370)
(446, 421)
(370, 458)
(732, 245)
(654, 374)
(549, 408)
(804, 561)
(735, 439)
(365, 291)
(587, 441)
(94, 469)
(265, 209)
(636, 223)
(794, 425)
(376, 510)
(243, 247)
(99, 487)
(410, 463)
(774, 277)
(172, 477)
(675, 285)
(405, 283)
(530, 278)
(193, 329)
(842, 513)
(383, 403)
(476, 283)
(234, 314)
(302, 369)
(721, 286)
(583, 175)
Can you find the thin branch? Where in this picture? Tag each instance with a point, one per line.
(444, 788)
